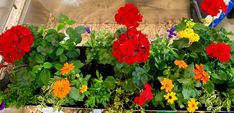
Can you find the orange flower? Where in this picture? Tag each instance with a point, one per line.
(67, 68)
(200, 74)
(167, 85)
(61, 88)
(181, 64)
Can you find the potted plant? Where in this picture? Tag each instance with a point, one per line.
(190, 69)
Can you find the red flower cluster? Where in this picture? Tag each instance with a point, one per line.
(128, 15)
(132, 46)
(15, 42)
(146, 95)
(220, 51)
(212, 7)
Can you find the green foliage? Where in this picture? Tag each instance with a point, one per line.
(20, 95)
(41, 66)
(215, 103)
(100, 47)
(140, 76)
(100, 93)
(33, 77)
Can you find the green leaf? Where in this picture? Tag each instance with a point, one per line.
(186, 81)
(78, 64)
(181, 43)
(70, 22)
(72, 54)
(79, 38)
(47, 65)
(62, 18)
(120, 31)
(39, 58)
(76, 95)
(109, 82)
(188, 92)
(80, 29)
(159, 99)
(71, 32)
(181, 26)
(60, 26)
(129, 86)
(37, 68)
(209, 86)
(62, 58)
(87, 77)
(196, 47)
(200, 27)
(188, 73)
(59, 51)
(58, 66)
(45, 76)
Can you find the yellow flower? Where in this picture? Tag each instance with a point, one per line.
(189, 34)
(61, 88)
(190, 23)
(83, 88)
(170, 97)
(167, 85)
(192, 105)
(67, 68)
(181, 63)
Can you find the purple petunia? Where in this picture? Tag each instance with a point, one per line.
(171, 32)
(87, 29)
(2, 106)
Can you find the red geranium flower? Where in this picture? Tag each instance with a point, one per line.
(128, 15)
(213, 7)
(15, 42)
(131, 47)
(220, 51)
(146, 95)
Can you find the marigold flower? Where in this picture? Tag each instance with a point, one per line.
(181, 63)
(61, 88)
(167, 85)
(67, 68)
(170, 97)
(83, 88)
(200, 74)
(192, 105)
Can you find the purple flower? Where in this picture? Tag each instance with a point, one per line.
(171, 32)
(2, 106)
(87, 29)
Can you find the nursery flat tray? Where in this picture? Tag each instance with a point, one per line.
(34, 109)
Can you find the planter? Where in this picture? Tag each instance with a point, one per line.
(121, 71)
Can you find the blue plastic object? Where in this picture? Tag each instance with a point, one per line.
(222, 15)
